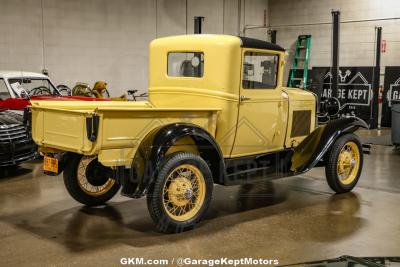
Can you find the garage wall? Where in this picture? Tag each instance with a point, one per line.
(99, 40)
(357, 41)
(21, 39)
(108, 40)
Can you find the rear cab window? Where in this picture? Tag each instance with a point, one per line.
(260, 70)
(185, 64)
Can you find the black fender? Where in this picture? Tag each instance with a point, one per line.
(313, 148)
(154, 147)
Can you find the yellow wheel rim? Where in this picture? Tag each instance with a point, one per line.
(348, 163)
(85, 184)
(184, 192)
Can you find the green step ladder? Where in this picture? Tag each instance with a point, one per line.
(300, 61)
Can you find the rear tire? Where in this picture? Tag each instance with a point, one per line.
(179, 197)
(344, 163)
(87, 181)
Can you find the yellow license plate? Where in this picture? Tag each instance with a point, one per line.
(50, 164)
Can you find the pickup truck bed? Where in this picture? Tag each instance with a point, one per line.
(107, 127)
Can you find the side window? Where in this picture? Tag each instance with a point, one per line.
(260, 70)
(4, 93)
(185, 64)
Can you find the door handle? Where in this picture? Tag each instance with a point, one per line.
(244, 98)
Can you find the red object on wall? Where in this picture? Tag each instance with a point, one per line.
(383, 46)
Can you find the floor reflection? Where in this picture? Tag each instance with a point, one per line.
(337, 220)
(91, 227)
(252, 196)
(229, 200)
(87, 228)
(296, 219)
(13, 171)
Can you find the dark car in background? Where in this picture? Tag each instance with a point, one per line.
(16, 145)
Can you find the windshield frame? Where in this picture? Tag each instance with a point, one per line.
(2, 80)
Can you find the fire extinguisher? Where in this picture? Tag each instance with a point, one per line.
(380, 96)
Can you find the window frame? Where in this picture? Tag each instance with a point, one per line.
(264, 52)
(6, 87)
(185, 77)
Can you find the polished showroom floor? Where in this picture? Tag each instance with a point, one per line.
(293, 220)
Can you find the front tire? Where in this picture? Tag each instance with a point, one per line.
(181, 193)
(88, 181)
(344, 163)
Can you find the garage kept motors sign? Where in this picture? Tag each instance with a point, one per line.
(391, 94)
(354, 89)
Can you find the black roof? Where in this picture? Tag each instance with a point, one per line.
(255, 43)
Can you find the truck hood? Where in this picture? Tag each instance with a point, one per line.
(296, 94)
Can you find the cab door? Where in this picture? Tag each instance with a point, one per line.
(263, 106)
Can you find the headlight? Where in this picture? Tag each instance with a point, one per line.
(331, 106)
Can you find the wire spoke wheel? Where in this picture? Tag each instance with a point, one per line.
(93, 177)
(184, 192)
(179, 197)
(343, 163)
(348, 163)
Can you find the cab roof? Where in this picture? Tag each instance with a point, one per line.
(8, 74)
(217, 39)
(259, 44)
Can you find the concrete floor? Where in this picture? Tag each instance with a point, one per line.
(293, 220)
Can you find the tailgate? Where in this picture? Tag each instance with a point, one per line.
(63, 129)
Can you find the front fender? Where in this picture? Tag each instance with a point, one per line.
(309, 152)
(154, 147)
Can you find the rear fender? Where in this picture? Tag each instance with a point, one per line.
(153, 149)
(309, 152)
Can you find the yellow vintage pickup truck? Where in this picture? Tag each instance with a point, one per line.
(217, 114)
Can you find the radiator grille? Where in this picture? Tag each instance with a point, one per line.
(13, 133)
(301, 123)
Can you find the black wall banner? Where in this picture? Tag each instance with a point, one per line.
(354, 92)
(391, 94)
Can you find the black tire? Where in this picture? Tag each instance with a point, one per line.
(332, 161)
(156, 198)
(96, 178)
